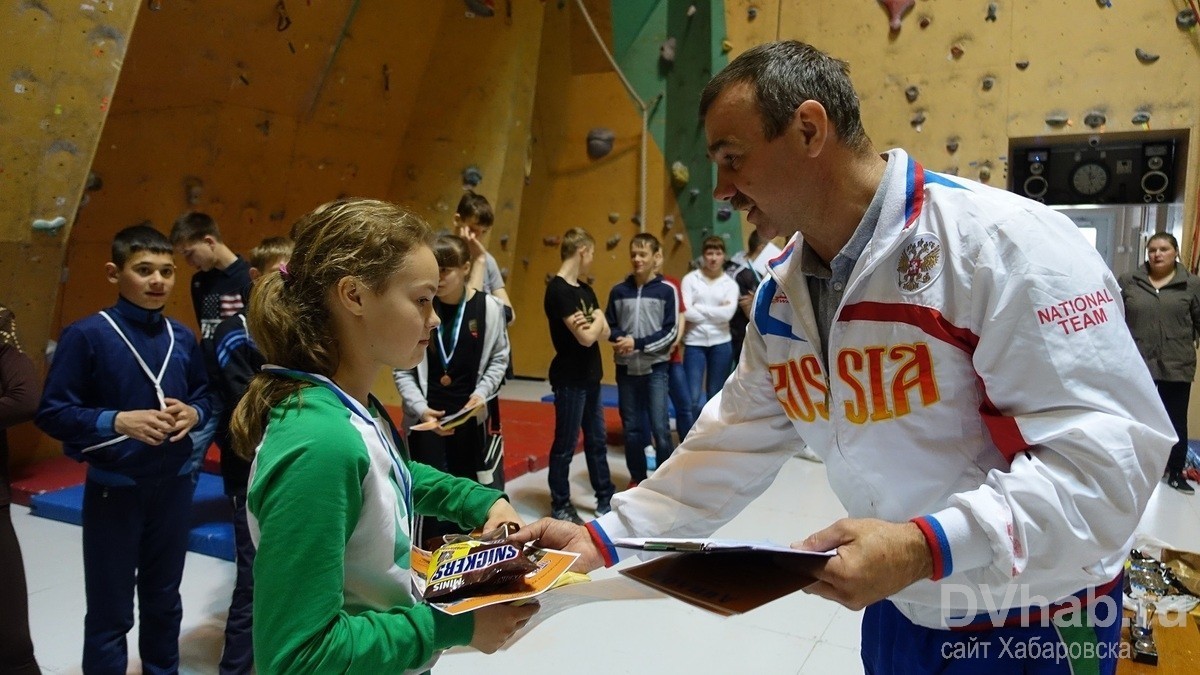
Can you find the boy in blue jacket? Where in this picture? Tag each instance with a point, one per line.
(642, 314)
(125, 387)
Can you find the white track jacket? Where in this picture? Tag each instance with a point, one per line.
(981, 382)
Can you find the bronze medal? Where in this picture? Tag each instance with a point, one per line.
(445, 380)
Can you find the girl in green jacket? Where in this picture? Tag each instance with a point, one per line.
(333, 492)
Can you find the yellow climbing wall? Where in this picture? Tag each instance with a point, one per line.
(576, 91)
(58, 69)
(1081, 58)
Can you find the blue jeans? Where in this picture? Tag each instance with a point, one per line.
(681, 399)
(635, 394)
(715, 361)
(578, 408)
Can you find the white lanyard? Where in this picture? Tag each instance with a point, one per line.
(453, 338)
(403, 477)
(156, 380)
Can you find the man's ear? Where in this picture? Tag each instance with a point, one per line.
(348, 293)
(811, 123)
(111, 272)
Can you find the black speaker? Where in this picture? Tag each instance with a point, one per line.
(1158, 171)
(1030, 172)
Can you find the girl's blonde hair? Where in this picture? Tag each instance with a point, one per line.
(289, 315)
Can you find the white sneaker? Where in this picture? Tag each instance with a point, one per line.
(651, 459)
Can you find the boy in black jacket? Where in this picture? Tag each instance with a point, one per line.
(238, 360)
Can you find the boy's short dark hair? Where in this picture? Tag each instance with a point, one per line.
(475, 206)
(193, 226)
(713, 242)
(138, 238)
(270, 251)
(645, 240)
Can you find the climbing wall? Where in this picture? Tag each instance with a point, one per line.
(59, 67)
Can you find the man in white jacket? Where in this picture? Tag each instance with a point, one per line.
(956, 356)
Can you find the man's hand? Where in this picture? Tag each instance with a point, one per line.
(559, 534)
(185, 417)
(148, 426)
(874, 560)
(623, 345)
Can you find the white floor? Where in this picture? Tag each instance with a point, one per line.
(797, 634)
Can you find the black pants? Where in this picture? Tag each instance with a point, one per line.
(458, 455)
(238, 655)
(1175, 397)
(16, 648)
(134, 538)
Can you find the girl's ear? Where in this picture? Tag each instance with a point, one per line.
(348, 293)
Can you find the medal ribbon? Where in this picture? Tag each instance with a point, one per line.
(453, 338)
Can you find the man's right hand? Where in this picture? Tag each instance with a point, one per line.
(564, 536)
(148, 426)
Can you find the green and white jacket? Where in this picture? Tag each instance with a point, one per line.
(330, 505)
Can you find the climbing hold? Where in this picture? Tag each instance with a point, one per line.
(551, 241)
(1185, 19)
(1022, 64)
(666, 51)
(636, 219)
(484, 8)
(924, 21)
(549, 278)
(1145, 56)
(752, 13)
(691, 11)
(668, 221)
(724, 213)
(93, 182)
(917, 120)
(1106, 4)
(504, 273)
(726, 46)
(993, 8)
(504, 241)
(472, 176)
(951, 170)
(680, 175)
(525, 262)
(952, 145)
(988, 82)
(51, 226)
(956, 50)
(1095, 119)
(1057, 119)
(896, 9)
(600, 142)
(264, 126)
(613, 217)
(612, 242)
(694, 192)
(678, 238)
(193, 190)
(1141, 117)
(985, 173)
(911, 93)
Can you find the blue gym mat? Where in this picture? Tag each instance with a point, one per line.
(212, 524)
